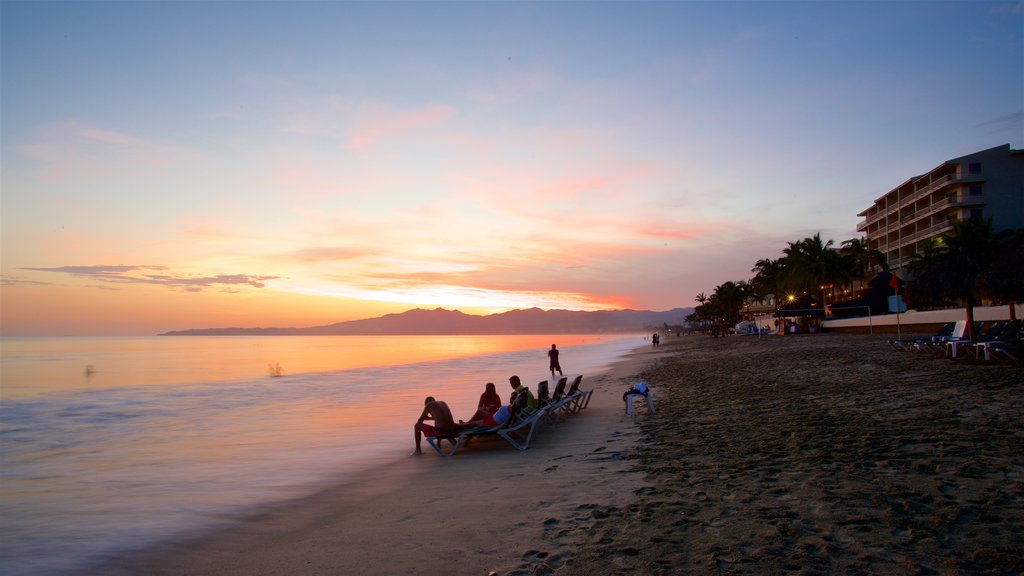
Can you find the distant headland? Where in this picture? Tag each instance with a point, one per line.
(453, 322)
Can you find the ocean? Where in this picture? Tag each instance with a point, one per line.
(113, 445)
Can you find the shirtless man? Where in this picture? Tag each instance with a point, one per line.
(437, 411)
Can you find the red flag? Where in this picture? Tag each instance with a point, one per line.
(894, 283)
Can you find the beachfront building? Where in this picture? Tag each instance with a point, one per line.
(989, 184)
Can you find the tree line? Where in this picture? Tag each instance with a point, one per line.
(969, 264)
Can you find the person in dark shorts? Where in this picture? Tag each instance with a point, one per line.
(554, 365)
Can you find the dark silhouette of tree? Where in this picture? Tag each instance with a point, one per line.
(810, 266)
(1003, 280)
(765, 281)
(860, 261)
(957, 261)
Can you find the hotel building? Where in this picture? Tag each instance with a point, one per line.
(989, 184)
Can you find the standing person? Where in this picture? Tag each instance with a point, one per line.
(490, 401)
(554, 365)
(437, 411)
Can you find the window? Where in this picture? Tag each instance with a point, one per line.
(976, 213)
(974, 168)
(975, 191)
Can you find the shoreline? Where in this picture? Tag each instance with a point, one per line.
(489, 508)
(810, 453)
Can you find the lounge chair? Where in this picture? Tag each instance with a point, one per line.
(576, 399)
(942, 348)
(461, 438)
(520, 433)
(1006, 338)
(953, 347)
(520, 419)
(638, 390)
(908, 343)
(938, 345)
(559, 393)
(543, 397)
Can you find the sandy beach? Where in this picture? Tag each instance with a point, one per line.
(821, 454)
(813, 454)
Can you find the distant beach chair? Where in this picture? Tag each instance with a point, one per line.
(559, 392)
(517, 431)
(909, 343)
(941, 347)
(543, 396)
(575, 398)
(638, 390)
(520, 434)
(459, 439)
(939, 342)
(953, 347)
(1012, 351)
(1006, 338)
(544, 399)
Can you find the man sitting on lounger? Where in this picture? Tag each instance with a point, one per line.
(517, 388)
(437, 411)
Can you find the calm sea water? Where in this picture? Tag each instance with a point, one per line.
(109, 445)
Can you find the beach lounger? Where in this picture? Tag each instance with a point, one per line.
(1012, 351)
(520, 433)
(954, 347)
(1010, 344)
(908, 343)
(459, 439)
(559, 392)
(545, 399)
(942, 348)
(1006, 337)
(938, 344)
(638, 390)
(576, 399)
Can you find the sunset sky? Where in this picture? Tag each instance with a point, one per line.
(190, 164)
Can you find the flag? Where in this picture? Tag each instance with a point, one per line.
(894, 283)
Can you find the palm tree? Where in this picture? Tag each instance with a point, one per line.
(928, 258)
(727, 301)
(765, 281)
(969, 249)
(1003, 280)
(810, 265)
(861, 260)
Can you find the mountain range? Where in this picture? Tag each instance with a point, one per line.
(441, 322)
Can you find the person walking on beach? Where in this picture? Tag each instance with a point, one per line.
(437, 411)
(554, 365)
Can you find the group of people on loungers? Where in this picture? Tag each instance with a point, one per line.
(490, 412)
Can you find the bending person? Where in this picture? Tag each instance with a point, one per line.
(437, 411)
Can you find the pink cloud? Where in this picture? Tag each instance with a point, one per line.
(376, 124)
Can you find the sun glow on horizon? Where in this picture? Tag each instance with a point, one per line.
(462, 298)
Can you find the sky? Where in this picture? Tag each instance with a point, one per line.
(174, 165)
